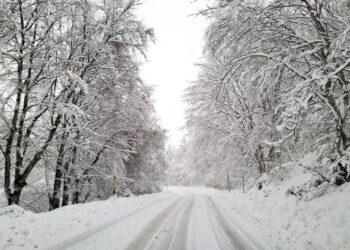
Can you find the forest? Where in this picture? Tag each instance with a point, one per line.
(74, 112)
(90, 101)
(272, 94)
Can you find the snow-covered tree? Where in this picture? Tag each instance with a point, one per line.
(71, 96)
(273, 83)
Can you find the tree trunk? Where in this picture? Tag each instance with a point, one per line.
(66, 184)
(76, 193)
(55, 201)
(342, 140)
(14, 197)
(56, 193)
(259, 156)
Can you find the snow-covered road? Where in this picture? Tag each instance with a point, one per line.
(181, 221)
(186, 218)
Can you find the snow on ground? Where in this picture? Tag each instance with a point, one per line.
(264, 219)
(26, 230)
(279, 221)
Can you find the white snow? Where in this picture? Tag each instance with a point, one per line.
(280, 222)
(262, 219)
(32, 231)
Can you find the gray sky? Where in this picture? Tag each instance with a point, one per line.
(171, 60)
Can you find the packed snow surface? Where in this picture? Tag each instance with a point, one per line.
(186, 218)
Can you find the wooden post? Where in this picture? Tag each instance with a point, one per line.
(228, 182)
(114, 185)
(115, 178)
(243, 183)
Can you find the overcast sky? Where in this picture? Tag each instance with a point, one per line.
(171, 60)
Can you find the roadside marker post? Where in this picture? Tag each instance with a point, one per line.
(115, 178)
(114, 185)
(243, 183)
(228, 182)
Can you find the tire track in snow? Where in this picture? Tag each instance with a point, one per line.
(225, 238)
(81, 237)
(180, 239)
(236, 239)
(163, 232)
(173, 234)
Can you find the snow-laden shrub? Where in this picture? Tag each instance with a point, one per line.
(276, 175)
(339, 171)
(311, 189)
(304, 179)
(338, 174)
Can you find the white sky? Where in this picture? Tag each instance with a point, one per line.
(171, 59)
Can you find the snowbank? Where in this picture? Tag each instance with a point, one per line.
(21, 229)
